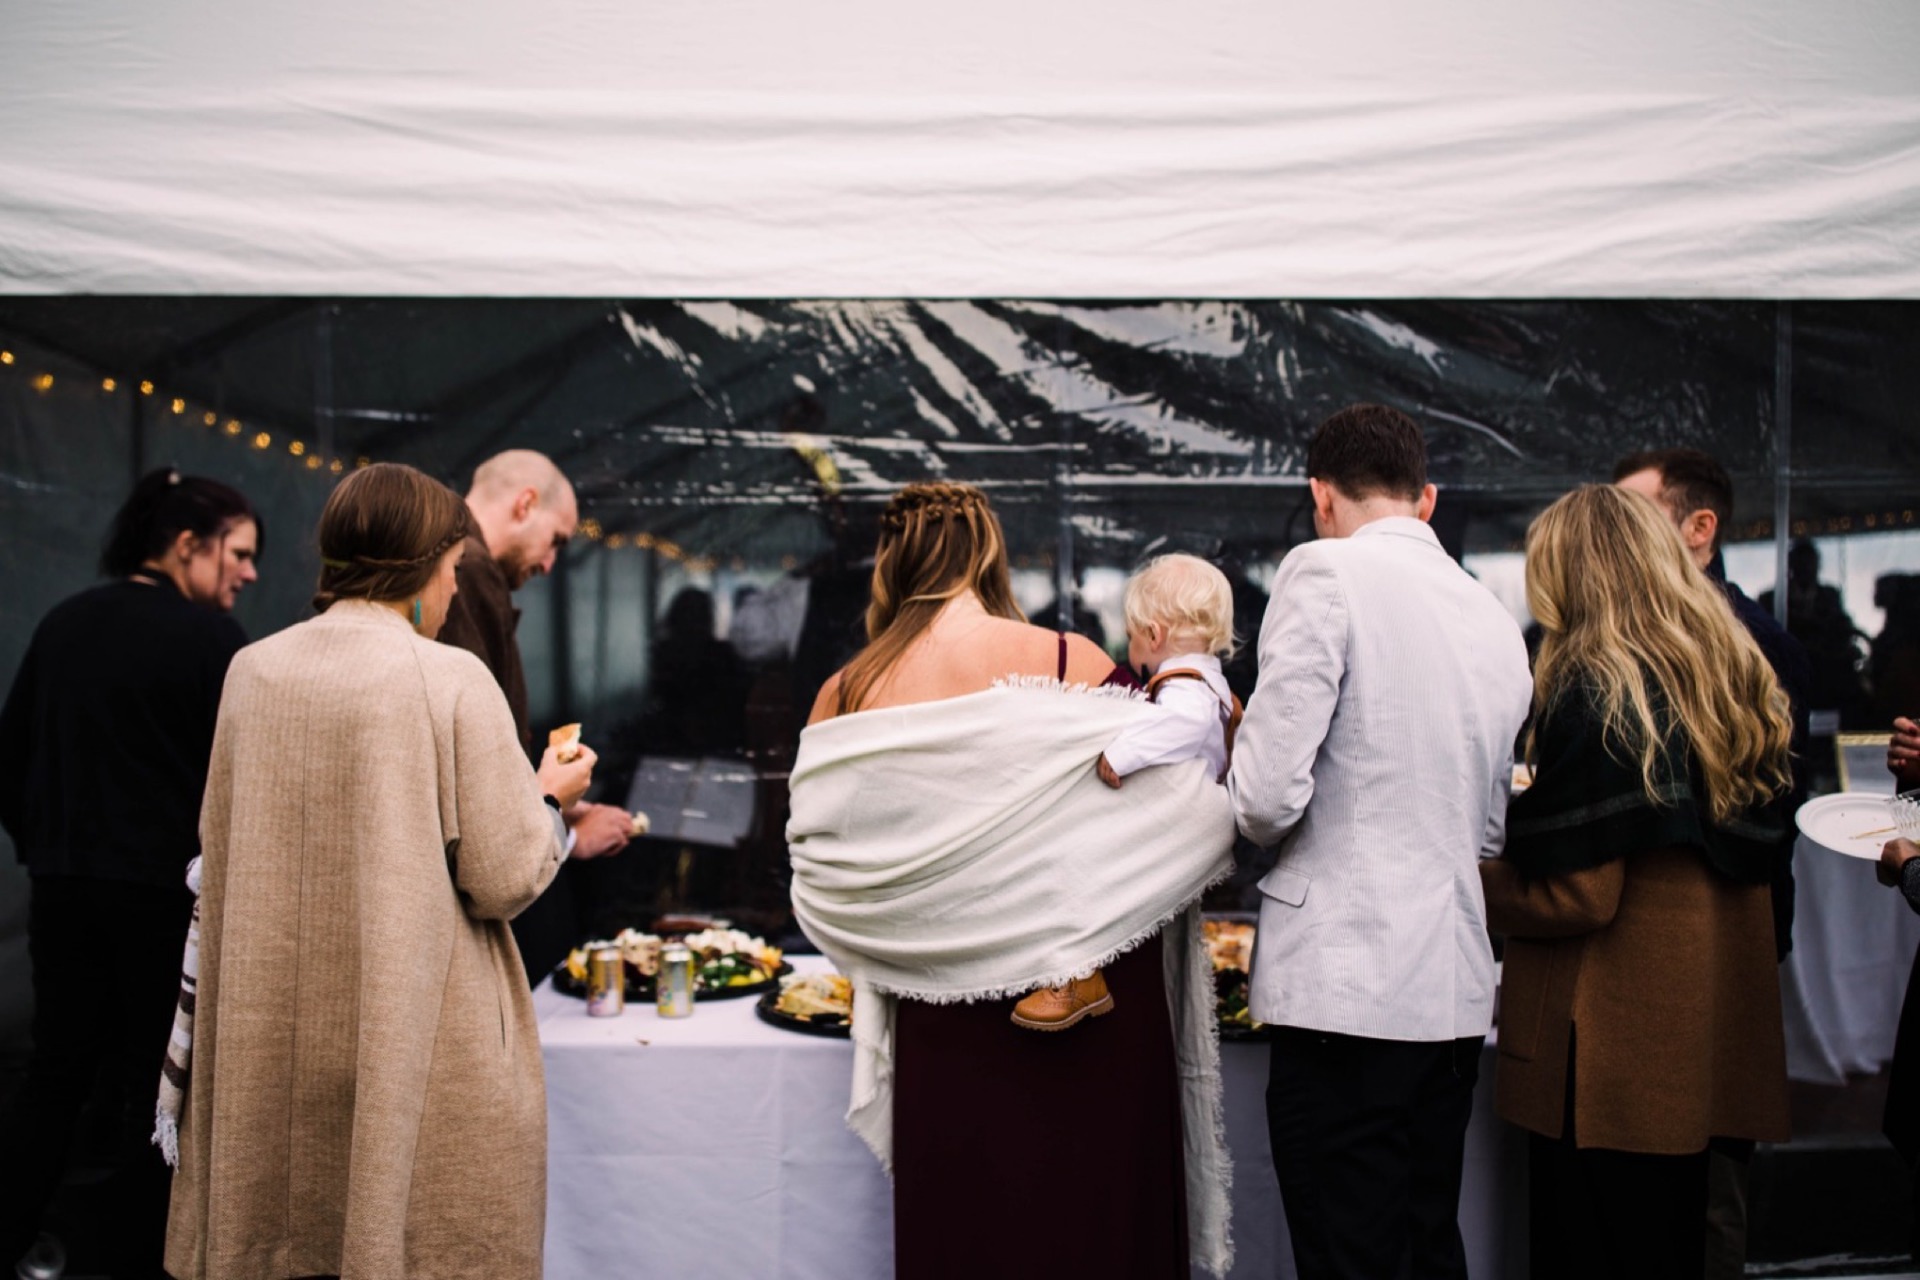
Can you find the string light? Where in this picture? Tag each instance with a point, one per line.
(615, 541)
(262, 440)
(360, 464)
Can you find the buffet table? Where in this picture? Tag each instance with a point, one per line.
(715, 1145)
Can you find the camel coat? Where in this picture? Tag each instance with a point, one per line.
(366, 1095)
(1665, 970)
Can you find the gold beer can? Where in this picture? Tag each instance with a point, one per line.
(606, 983)
(673, 987)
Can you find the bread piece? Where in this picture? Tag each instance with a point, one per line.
(565, 742)
(641, 825)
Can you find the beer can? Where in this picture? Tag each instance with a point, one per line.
(674, 985)
(606, 983)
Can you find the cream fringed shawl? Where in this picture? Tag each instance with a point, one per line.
(965, 850)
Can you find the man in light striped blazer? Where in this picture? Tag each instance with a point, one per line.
(1376, 753)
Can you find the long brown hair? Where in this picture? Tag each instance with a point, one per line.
(382, 534)
(1629, 617)
(937, 541)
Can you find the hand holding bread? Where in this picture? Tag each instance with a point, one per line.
(566, 778)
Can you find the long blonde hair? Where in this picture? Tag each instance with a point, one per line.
(937, 541)
(1629, 616)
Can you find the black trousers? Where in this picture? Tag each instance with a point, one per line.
(1368, 1137)
(1597, 1214)
(106, 977)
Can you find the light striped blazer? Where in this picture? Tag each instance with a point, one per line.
(1377, 753)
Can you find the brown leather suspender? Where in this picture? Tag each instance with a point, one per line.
(1231, 707)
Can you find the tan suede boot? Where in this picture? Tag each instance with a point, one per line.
(1057, 1008)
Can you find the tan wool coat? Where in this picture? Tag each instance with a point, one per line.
(366, 1096)
(1653, 978)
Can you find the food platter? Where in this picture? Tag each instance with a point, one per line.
(815, 1004)
(832, 1025)
(1229, 939)
(728, 965)
(640, 988)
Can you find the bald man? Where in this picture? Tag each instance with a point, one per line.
(523, 513)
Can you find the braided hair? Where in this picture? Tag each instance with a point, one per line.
(383, 532)
(937, 541)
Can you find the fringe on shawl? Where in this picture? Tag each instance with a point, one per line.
(176, 1069)
(1052, 980)
(1052, 684)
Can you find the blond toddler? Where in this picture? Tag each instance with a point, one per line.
(1179, 614)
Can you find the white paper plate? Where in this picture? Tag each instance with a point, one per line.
(1841, 823)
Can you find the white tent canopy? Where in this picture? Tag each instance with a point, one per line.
(1092, 148)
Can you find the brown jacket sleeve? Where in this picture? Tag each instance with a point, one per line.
(1555, 907)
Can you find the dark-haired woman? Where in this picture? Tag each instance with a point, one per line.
(364, 1095)
(1640, 1009)
(104, 742)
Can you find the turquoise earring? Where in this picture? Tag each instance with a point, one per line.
(416, 612)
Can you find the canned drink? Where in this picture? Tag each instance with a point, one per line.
(606, 983)
(674, 985)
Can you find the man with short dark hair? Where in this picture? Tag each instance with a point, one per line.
(1377, 754)
(1696, 493)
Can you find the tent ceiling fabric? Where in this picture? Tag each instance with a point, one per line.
(1092, 148)
(730, 428)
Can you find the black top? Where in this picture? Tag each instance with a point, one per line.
(106, 734)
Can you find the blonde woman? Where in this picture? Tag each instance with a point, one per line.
(952, 847)
(1640, 1009)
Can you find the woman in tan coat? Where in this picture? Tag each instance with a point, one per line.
(1640, 1007)
(365, 1095)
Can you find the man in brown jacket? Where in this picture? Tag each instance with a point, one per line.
(523, 512)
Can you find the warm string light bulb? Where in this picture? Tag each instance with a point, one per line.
(107, 384)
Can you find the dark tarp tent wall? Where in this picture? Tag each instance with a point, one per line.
(426, 232)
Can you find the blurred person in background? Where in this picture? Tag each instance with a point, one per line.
(1818, 619)
(363, 1083)
(104, 742)
(521, 512)
(1641, 1019)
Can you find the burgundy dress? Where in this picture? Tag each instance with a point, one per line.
(1046, 1154)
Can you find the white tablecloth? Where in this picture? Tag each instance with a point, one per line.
(715, 1146)
(1841, 987)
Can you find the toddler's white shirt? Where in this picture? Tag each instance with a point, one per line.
(1189, 721)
